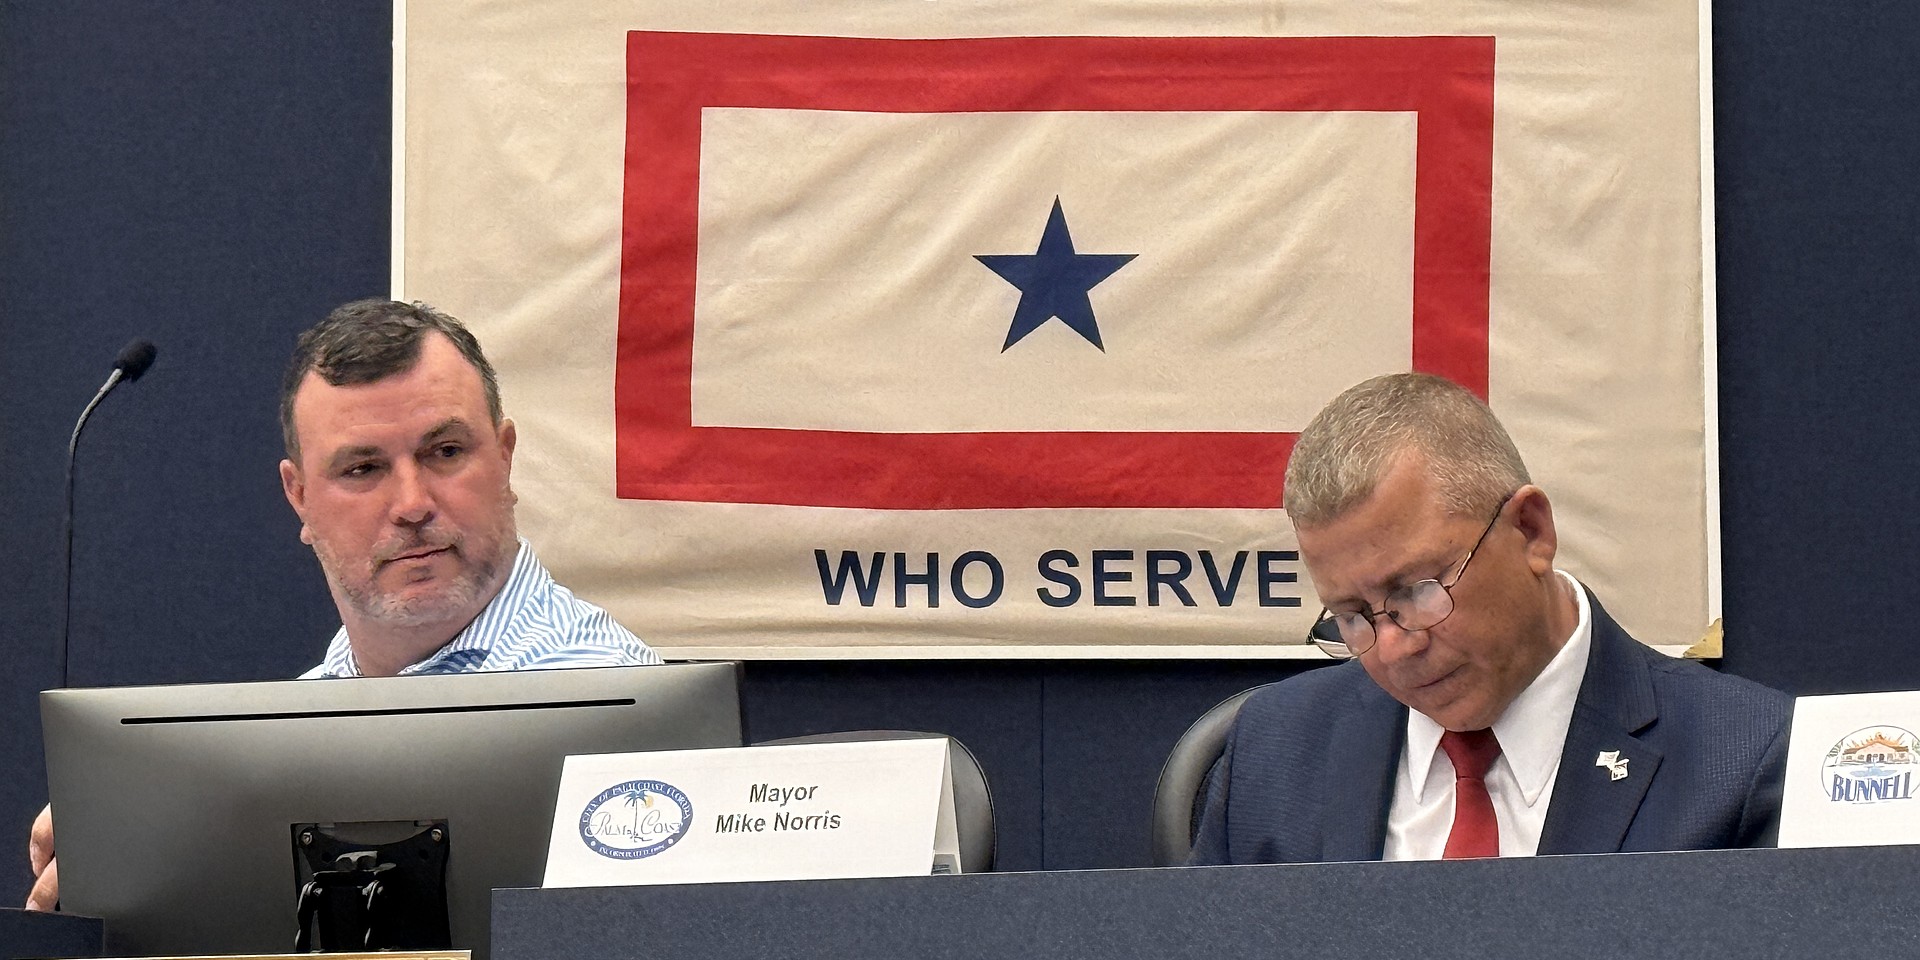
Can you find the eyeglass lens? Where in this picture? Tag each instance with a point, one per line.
(1415, 606)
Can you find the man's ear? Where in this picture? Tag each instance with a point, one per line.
(295, 487)
(508, 437)
(1532, 515)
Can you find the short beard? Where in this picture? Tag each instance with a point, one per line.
(459, 597)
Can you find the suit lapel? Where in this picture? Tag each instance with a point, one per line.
(1354, 813)
(1593, 805)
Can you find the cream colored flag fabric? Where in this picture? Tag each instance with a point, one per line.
(893, 328)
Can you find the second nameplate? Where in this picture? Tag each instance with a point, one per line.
(791, 812)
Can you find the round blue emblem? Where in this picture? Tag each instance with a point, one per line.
(1872, 765)
(636, 819)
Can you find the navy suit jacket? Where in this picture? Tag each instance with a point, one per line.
(1309, 767)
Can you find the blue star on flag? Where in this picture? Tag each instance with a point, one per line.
(1054, 281)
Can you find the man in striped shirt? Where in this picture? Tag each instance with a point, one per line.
(398, 462)
(398, 465)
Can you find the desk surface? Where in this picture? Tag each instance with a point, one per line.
(1732, 904)
(26, 933)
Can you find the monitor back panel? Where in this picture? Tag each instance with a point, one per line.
(174, 805)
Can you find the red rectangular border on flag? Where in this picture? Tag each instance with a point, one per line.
(661, 455)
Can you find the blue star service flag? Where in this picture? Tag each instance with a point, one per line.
(888, 328)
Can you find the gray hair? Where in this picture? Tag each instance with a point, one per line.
(1350, 444)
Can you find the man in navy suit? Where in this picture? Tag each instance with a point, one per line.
(1492, 707)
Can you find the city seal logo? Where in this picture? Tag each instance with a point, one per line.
(1871, 765)
(636, 819)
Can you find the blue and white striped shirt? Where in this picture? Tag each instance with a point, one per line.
(532, 624)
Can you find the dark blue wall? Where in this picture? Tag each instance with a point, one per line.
(214, 176)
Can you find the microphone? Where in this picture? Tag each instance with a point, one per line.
(134, 359)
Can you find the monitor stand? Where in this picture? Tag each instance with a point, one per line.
(372, 885)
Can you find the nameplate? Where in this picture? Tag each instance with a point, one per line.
(810, 811)
(1853, 771)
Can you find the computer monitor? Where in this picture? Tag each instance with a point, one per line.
(174, 805)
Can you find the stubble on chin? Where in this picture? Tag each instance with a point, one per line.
(459, 596)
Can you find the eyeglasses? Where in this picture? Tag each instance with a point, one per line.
(1416, 606)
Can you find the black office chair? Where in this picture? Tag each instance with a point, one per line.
(1176, 798)
(972, 799)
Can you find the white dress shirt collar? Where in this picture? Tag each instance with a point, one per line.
(1533, 729)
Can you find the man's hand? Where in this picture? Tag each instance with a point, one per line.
(46, 871)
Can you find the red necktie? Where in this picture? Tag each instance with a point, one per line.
(1475, 831)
